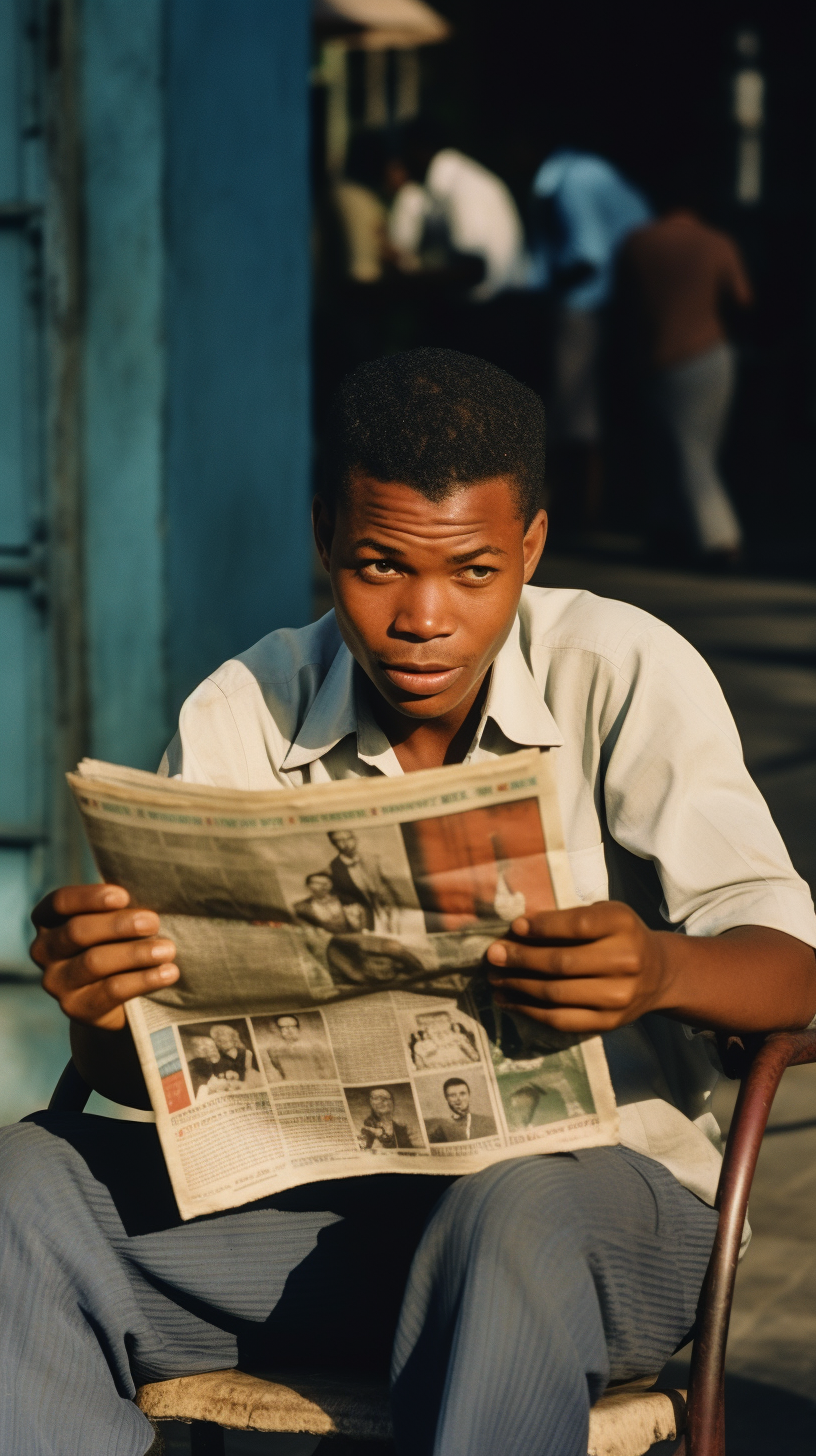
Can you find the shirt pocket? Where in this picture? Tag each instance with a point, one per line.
(589, 875)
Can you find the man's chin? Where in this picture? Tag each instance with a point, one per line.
(423, 710)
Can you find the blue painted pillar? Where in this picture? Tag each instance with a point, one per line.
(196, 367)
(237, 300)
(124, 370)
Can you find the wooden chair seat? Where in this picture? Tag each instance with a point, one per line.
(625, 1422)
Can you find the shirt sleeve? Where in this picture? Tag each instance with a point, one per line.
(677, 792)
(207, 747)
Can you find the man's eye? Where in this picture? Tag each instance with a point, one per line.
(479, 573)
(380, 568)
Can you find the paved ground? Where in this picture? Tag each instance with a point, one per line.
(760, 638)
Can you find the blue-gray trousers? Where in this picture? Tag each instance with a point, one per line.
(532, 1285)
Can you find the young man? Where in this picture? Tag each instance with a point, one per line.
(539, 1280)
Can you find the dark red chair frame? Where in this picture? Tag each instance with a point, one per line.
(759, 1062)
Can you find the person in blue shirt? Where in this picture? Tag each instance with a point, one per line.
(583, 209)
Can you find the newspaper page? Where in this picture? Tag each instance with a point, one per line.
(333, 1017)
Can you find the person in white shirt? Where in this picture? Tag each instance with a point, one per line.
(471, 210)
(583, 1268)
(455, 226)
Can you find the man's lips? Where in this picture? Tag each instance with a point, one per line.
(422, 681)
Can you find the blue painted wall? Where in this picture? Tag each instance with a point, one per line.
(124, 467)
(237, 310)
(196, 357)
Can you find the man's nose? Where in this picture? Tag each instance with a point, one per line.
(424, 611)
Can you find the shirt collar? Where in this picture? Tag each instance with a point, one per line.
(514, 703)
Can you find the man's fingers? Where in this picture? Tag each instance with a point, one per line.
(609, 956)
(574, 1019)
(101, 962)
(82, 931)
(582, 922)
(101, 1003)
(57, 907)
(599, 993)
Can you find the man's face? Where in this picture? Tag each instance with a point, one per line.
(381, 1102)
(458, 1098)
(344, 842)
(288, 1028)
(425, 593)
(320, 887)
(205, 1047)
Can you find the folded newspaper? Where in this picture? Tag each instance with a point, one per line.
(333, 1016)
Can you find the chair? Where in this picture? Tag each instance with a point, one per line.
(627, 1421)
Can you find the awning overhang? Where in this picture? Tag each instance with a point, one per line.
(379, 25)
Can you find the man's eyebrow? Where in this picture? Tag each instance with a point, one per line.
(377, 546)
(456, 560)
(480, 551)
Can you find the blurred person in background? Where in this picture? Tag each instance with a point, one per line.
(456, 224)
(582, 210)
(359, 238)
(677, 274)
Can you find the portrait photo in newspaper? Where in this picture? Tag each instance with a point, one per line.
(385, 1118)
(345, 879)
(293, 1047)
(219, 1057)
(456, 1108)
(440, 1037)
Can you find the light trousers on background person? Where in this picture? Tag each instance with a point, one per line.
(533, 1284)
(691, 402)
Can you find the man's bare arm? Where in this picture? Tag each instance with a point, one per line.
(598, 966)
(96, 953)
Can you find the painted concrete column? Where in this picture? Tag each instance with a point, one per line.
(196, 385)
(237, 311)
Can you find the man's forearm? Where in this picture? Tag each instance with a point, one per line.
(747, 979)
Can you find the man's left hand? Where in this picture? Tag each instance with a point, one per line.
(589, 969)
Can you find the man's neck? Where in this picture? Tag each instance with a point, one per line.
(435, 742)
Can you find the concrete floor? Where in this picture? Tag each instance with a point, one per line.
(760, 638)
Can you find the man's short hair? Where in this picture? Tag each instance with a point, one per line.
(454, 1082)
(287, 1016)
(435, 419)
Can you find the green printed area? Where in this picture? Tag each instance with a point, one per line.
(327, 818)
(406, 808)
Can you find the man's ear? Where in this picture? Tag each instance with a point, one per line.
(323, 527)
(534, 538)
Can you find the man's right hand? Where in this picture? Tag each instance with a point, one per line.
(96, 953)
